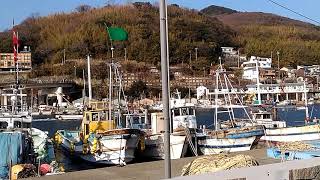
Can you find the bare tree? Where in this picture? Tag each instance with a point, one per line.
(83, 8)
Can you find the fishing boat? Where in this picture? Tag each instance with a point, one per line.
(99, 141)
(102, 139)
(154, 140)
(236, 138)
(184, 123)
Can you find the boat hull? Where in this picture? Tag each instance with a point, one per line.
(154, 146)
(290, 134)
(212, 145)
(115, 149)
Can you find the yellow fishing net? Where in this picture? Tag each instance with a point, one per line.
(214, 163)
(294, 146)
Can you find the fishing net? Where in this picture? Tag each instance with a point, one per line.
(294, 146)
(214, 163)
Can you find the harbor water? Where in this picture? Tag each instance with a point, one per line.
(292, 116)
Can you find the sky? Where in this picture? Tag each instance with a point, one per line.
(15, 9)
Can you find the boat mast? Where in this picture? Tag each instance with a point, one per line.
(216, 101)
(15, 57)
(306, 99)
(258, 83)
(165, 83)
(89, 79)
(110, 91)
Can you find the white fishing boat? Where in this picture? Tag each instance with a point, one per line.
(155, 146)
(266, 119)
(101, 139)
(183, 119)
(291, 134)
(234, 138)
(219, 145)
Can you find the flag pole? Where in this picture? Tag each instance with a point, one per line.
(165, 84)
(110, 79)
(110, 40)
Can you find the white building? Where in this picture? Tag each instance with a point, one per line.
(229, 51)
(249, 67)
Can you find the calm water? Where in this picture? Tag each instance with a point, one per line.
(204, 117)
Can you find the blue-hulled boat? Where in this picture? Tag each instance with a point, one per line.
(230, 139)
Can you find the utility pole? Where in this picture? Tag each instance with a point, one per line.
(278, 53)
(165, 84)
(238, 58)
(125, 54)
(75, 71)
(64, 56)
(84, 84)
(190, 58)
(196, 54)
(89, 78)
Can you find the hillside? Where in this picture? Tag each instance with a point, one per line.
(259, 18)
(84, 32)
(262, 33)
(217, 10)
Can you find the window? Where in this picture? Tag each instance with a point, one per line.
(184, 111)
(176, 112)
(191, 111)
(95, 117)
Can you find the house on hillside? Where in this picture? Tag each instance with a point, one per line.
(249, 67)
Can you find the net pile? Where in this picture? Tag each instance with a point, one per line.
(216, 163)
(295, 146)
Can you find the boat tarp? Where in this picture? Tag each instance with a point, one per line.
(11, 146)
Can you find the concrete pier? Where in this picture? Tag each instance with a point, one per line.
(149, 170)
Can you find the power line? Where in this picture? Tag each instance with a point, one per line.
(318, 22)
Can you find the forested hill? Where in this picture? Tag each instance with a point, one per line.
(84, 32)
(262, 33)
(217, 10)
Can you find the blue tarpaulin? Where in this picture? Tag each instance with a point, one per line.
(11, 147)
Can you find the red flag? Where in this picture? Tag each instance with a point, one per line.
(15, 39)
(15, 45)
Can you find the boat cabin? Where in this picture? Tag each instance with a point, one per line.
(97, 121)
(265, 118)
(184, 116)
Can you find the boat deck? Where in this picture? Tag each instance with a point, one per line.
(148, 170)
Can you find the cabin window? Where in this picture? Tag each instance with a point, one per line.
(87, 129)
(3, 125)
(176, 112)
(103, 115)
(17, 124)
(191, 112)
(26, 125)
(267, 116)
(258, 116)
(95, 117)
(184, 111)
(136, 120)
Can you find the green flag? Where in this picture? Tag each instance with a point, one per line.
(117, 34)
